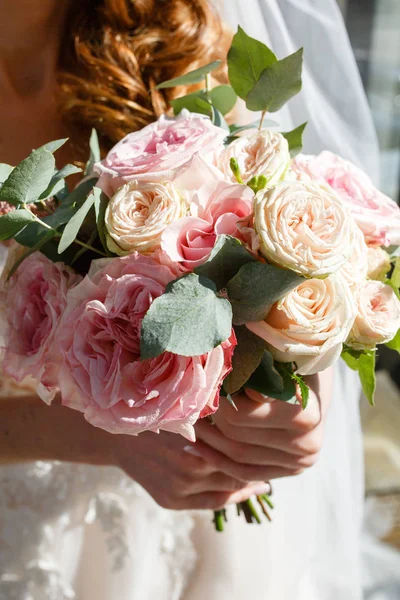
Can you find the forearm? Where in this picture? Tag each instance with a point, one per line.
(31, 430)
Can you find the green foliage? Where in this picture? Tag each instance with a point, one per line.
(188, 319)
(53, 146)
(218, 119)
(295, 139)
(5, 171)
(73, 226)
(28, 180)
(95, 155)
(190, 78)
(246, 358)
(304, 389)
(277, 84)
(100, 206)
(257, 183)
(394, 344)
(256, 287)
(273, 379)
(363, 361)
(57, 182)
(11, 223)
(247, 59)
(196, 102)
(225, 260)
(223, 98)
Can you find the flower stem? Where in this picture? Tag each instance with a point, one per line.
(219, 519)
(262, 119)
(89, 247)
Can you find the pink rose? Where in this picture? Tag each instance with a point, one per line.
(101, 372)
(216, 208)
(155, 152)
(377, 215)
(33, 303)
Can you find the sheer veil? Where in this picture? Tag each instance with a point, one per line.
(332, 100)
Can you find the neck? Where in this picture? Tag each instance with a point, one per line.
(30, 36)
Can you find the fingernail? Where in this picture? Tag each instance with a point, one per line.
(261, 488)
(192, 450)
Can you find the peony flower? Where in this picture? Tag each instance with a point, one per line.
(33, 303)
(378, 317)
(156, 152)
(377, 215)
(378, 263)
(138, 213)
(101, 373)
(356, 268)
(304, 227)
(263, 153)
(310, 324)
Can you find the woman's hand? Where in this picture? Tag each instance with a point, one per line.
(265, 440)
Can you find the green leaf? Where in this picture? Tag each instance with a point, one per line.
(363, 362)
(53, 146)
(218, 119)
(29, 179)
(5, 171)
(246, 358)
(295, 139)
(100, 206)
(225, 260)
(73, 226)
(188, 319)
(11, 223)
(57, 181)
(395, 276)
(256, 287)
(394, 344)
(247, 59)
(195, 102)
(273, 379)
(189, 78)
(49, 235)
(95, 155)
(277, 84)
(304, 389)
(223, 98)
(255, 125)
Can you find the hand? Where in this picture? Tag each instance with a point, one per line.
(266, 439)
(176, 478)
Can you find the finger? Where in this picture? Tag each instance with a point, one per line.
(247, 453)
(243, 472)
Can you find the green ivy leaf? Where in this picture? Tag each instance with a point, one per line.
(11, 223)
(256, 287)
(277, 84)
(273, 379)
(246, 359)
(247, 59)
(28, 180)
(394, 344)
(100, 206)
(57, 181)
(223, 98)
(188, 319)
(364, 362)
(73, 226)
(95, 155)
(46, 238)
(191, 77)
(295, 139)
(225, 260)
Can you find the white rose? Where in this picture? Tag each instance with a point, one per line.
(263, 153)
(137, 215)
(378, 263)
(356, 268)
(310, 324)
(378, 317)
(305, 227)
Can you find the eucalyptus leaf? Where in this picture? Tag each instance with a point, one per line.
(28, 180)
(46, 238)
(190, 102)
(73, 226)
(5, 171)
(255, 125)
(54, 146)
(11, 223)
(218, 119)
(363, 362)
(100, 206)
(188, 319)
(273, 380)
(246, 358)
(277, 84)
(191, 77)
(223, 98)
(247, 59)
(256, 287)
(225, 260)
(394, 344)
(57, 181)
(95, 155)
(295, 139)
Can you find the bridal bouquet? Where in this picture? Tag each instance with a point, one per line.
(196, 259)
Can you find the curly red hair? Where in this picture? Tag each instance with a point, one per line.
(115, 52)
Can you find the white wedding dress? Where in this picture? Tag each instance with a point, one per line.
(90, 533)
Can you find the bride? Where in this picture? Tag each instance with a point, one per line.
(88, 515)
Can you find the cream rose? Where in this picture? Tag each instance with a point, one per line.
(310, 324)
(263, 153)
(356, 268)
(137, 215)
(378, 263)
(378, 317)
(305, 227)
